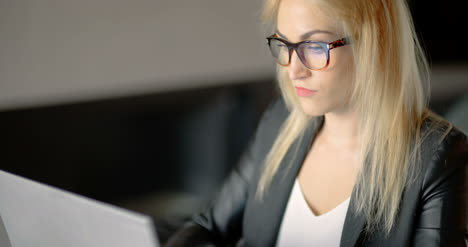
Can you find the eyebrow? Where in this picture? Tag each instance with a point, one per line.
(306, 35)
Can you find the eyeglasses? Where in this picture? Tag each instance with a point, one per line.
(314, 55)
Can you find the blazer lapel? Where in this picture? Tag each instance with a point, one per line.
(353, 225)
(268, 214)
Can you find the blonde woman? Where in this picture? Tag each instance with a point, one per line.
(350, 155)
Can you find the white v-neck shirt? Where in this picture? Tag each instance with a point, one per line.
(300, 227)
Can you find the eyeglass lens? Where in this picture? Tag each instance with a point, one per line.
(312, 55)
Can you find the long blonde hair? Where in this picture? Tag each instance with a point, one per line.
(390, 91)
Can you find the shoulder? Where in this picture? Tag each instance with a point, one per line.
(276, 111)
(260, 143)
(444, 151)
(271, 121)
(443, 195)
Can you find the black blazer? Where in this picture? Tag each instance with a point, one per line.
(433, 211)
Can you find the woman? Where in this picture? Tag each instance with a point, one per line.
(350, 155)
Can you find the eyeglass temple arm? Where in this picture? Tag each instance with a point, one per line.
(341, 42)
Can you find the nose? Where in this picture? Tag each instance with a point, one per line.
(296, 69)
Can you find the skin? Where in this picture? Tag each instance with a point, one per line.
(328, 173)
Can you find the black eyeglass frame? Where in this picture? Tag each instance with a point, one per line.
(294, 46)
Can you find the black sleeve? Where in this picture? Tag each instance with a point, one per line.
(443, 218)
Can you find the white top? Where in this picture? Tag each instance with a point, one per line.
(301, 227)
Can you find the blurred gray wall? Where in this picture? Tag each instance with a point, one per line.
(61, 51)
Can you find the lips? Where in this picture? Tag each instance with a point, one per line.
(305, 92)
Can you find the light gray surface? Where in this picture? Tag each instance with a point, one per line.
(66, 51)
(36, 215)
(61, 51)
(4, 240)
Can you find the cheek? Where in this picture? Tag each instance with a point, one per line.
(341, 63)
(334, 85)
(338, 76)
(334, 90)
(330, 96)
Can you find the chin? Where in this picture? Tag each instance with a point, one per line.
(312, 109)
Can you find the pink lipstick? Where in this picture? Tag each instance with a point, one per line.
(304, 91)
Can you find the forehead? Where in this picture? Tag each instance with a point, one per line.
(296, 17)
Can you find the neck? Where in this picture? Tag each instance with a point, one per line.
(340, 129)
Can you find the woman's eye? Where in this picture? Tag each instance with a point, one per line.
(315, 49)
